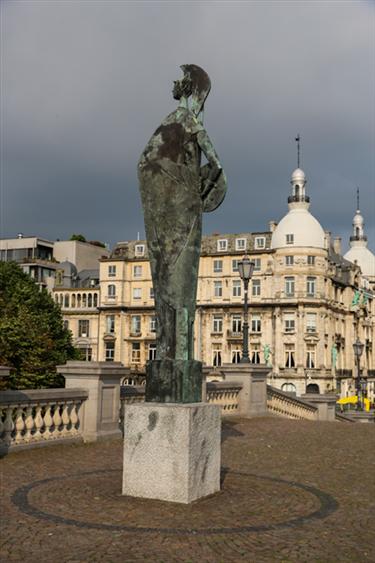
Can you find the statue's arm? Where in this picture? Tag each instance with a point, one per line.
(209, 152)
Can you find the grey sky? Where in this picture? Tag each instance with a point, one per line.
(85, 83)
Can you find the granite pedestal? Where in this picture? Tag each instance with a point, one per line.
(171, 451)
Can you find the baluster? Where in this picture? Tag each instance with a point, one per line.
(8, 426)
(65, 418)
(1, 422)
(38, 422)
(56, 421)
(19, 425)
(74, 417)
(29, 423)
(47, 423)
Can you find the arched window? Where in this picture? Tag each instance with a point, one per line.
(84, 300)
(73, 299)
(56, 298)
(78, 300)
(313, 388)
(357, 231)
(297, 191)
(289, 388)
(95, 299)
(61, 299)
(66, 300)
(89, 300)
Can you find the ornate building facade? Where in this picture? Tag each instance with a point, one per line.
(307, 303)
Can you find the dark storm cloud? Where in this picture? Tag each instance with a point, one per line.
(85, 83)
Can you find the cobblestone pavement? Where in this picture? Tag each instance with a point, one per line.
(292, 491)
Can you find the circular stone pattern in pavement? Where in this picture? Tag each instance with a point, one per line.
(246, 503)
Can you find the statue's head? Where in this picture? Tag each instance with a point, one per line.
(196, 83)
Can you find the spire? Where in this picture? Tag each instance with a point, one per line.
(298, 140)
(358, 237)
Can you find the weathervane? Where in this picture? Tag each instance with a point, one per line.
(298, 139)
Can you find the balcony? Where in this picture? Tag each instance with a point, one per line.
(296, 198)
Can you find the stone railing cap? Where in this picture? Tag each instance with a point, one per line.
(26, 396)
(93, 368)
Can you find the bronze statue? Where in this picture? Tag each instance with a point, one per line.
(175, 190)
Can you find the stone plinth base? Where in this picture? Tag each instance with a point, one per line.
(171, 451)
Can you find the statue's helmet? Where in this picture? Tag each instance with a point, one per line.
(200, 85)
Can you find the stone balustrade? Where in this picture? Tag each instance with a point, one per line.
(226, 395)
(40, 416)
(284, 405)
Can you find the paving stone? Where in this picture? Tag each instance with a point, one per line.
(292, 491)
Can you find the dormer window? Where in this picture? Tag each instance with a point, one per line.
(240, 244)
(260, 242)
(289, 239)
(222, 245)
(139, 249)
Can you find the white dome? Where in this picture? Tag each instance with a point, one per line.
(363, 256)
(306, 230)
(298, 175)
(358, 220)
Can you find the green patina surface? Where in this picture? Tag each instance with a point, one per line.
(175, 191)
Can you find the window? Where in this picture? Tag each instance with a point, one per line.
(218, 266)
(260, 242)
(151, 355)
(289, 239)
(222, 245)
(289, 356)
(137, 293)
(139, 249)
(109, 351)
(311, 322)
(235, 265)
(111, 291)
(136, 353)
(236, 288)
(257, 264)
(236, 356)
(236, 324)
(310, 286)
(153, 324)
(240, 244)
(216, 356)
(289, 322)
(85, 354)
(66, 325)
(217, 323)
(255, 354)
(135, 326)
(289, 260)
(310, 357)
(111, 271)
(311, 260)
(289, 286)
(289, 388)
(110, 324)
(89, 300)
(66, 300)
(256, 323)
(83, 328)
(256, 288)
(137, 271)
(152, 293)
(218, 288)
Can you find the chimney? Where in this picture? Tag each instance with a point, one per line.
(328, 239)
(337, 245)
(272, 226)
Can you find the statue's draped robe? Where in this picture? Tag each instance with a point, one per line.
(169, 177)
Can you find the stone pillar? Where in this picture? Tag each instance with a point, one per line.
(100, 413)
(253, 396)
(172, 451)
(326, 404)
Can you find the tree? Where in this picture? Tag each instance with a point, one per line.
(80, 238)
(33, 339)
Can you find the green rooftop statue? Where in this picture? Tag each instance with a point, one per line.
(175, 190)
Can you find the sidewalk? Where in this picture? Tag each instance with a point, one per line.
(293, 491)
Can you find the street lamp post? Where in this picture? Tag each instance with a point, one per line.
(358, 349)
(245, 268)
